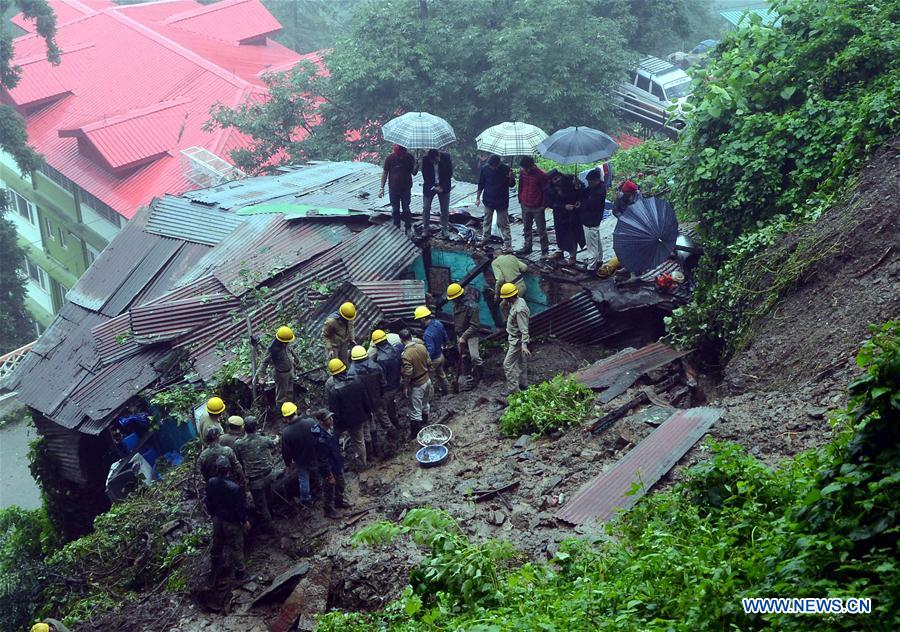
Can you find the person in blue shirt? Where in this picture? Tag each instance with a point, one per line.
(434, 337)
(494, 183)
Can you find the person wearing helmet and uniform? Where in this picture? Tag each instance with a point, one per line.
(351, 405)
(337, 333)
(387, 355)
(254, 451)
(466, 325)
(508, 269)
(226, 505)
(49, 625)
(435, 337)
(416, 366)
(283, 359)
(515, 365)
(211, 416)
(234, 430)
(207, 459)
(372, 376)
(298, 449)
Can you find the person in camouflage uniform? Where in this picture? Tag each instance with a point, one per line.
(207, 459)
(225, 503)
(255, 454)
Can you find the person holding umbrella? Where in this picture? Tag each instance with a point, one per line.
(398, 172)
(494, 183)
(562, 195)
(437, 171)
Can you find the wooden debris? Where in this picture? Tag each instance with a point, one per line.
(308, 598)
(487, 494)
(297, 570)
(607, 420)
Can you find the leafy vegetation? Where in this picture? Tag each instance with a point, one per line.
(824, 524)
(555, 405)
(781, 120)
(22, 569)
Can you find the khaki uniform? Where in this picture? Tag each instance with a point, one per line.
(416, 364)
(255, 454)
(207, 463)
(465, 323)
(509, 269)
(207, 420)
(515, 365)
(282, 358)
(230, 440)
(337, 335)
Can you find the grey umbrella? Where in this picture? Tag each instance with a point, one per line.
(645, 234)
(574, 145)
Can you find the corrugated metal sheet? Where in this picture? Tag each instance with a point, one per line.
(182, 219)
(600, 498)
(230, 21)
(379, 252)
(184, 261)
(368, 314)
(148, 268)
(65, 445)
(113, 339)
(577, 320)
(618, 372)
(167, 317)
(395, 299)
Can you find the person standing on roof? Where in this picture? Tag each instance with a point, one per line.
(494, 183)
(398, 172)
(283, 359)
(254, 451)
(298, 449)
(593, 203)
(532, 182)
(331, 463)
(515, 365)
(435, 337)
(387, 355)
(417, 383)
(508, 269)
(212, 416)
(437, 171)
(337, 332)
(466, 325)
(372, 376)
(235, 428)
(207, 459)
(562, 195)
(225, 503)
(349, 401)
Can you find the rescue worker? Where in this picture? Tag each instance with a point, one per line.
(387, 355)
(49, 625)
(508, 269)
(298, 449)
(282, 358)
(337, 333)
(515, 365)
(466, 325)
(211, 416)
(225, 503)
(207, 458)
(372, 376)
(416, 366)
(435, 337)
(235, 430)
(331, 463)
(254, 451)
(352, 408)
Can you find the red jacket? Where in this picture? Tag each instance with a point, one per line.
(531, 187)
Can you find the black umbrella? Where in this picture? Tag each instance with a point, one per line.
(645, 234)
(574, 145)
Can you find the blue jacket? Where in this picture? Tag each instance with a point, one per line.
(435, 337)
(495, 185)
(328, 450)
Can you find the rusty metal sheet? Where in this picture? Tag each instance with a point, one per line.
(147, 269)
(113, 339)
(396, 299)
(624, 368)
(184, 261)
(379, 252)
(180, 315)
(576, 320)
(64, 444)
(600, 498)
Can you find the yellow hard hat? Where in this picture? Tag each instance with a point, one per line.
(236, 421)
(40, 627)
(378, 335)
(215, 406)
(348, 310)
(336, 365)
(454, 291)
(508, 290)
(285, 334)
(422, 312)
(288, 409)
(358, 353)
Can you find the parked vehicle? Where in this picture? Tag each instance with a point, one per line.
(654, 86)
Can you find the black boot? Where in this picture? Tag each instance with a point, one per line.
(377, 452)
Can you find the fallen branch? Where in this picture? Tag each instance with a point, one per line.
(487, 494)
(610, 418)
(876, 264)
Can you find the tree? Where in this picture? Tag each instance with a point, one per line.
(310, 25)
(476, 63)
(16, 324)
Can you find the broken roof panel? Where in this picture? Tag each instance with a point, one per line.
(179, 316)
(182, 219)
(577, 320)
(613, 375)
(379, 252)
(113, 339)
(600, 498)
(396, 299)
(148, 267)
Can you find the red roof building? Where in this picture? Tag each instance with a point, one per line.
(135, 86)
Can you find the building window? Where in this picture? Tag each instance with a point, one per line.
(100, 207)
(37, 274)
(58, 178)
(62, 237)
(92, 253)
(23, 207)
(49, 226)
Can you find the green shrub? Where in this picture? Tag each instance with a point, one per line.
(22, 571)
(555, 405)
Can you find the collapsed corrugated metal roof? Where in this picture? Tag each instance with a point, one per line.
(577, 320)
(396, 299)
(182, 219)
(613, 375)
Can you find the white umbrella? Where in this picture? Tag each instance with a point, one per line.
(418, 130)
(510, 139)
